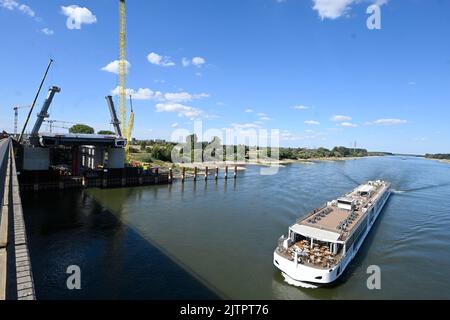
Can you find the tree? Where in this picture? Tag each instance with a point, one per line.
(143, 145)
(161, 153)
(82, 128)
(106, 132)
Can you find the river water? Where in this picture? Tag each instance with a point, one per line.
(216, 239)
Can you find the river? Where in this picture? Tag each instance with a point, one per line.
(216, 239)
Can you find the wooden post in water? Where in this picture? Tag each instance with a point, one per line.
(226, 172)
(183, 174)
(206, 173)
(216, 175)
(170, 175)
(235, 171)
(195, 173)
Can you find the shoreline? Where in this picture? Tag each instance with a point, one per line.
(440, 160)
(241, 165)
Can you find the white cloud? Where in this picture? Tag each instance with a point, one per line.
(76, 16)
(113, 67)
(300, 107)
(388, 122)
(163, 61)
(195, 61)
(9, 4)
(348, 125)
(340, 118)
(198, 61)
(185, 62)
(265, 118)
(180, 109)
(312, 122)
(47, 31)
(12, 5)
(249, 110)
(174, 125)
(140, 94)
(261, 114)
(333, 9)
(26, 10)
(184, 96)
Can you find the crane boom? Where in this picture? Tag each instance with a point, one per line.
(129, 129)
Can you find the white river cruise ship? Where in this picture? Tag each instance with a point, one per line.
(320, 246)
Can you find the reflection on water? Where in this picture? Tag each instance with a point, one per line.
(221, 235)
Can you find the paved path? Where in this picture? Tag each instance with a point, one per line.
(3, 162)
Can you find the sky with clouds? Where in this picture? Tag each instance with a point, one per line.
(310, 68)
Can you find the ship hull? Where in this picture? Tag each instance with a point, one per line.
(299, 275)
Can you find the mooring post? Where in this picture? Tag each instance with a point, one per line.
(206, 173)
(216, 175)
(170, 174)
(195, 173)
(183, 174)
(156, 175)
(235, 171)
(226, 172)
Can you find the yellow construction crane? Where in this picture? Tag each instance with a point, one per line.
(126, 130)
(130, 128)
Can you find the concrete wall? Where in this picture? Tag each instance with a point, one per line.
(116, 158)
(36, 158)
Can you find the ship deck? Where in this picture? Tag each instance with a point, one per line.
(331, 218)
(316, 257)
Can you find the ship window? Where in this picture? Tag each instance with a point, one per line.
(276, 262)
(319, 277)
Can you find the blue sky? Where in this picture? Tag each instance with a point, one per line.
(292, 65)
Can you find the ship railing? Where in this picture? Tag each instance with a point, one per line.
(281, 241)
(313, 212)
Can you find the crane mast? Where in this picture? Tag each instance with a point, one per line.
(122, 68)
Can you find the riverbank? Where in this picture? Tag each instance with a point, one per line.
(241, 165)
(439, 160)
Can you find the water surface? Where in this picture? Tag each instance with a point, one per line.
(216, 239)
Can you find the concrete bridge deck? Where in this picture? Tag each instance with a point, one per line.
(15, 266)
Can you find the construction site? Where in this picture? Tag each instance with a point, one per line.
(49, 160)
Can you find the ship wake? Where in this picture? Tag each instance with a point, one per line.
(297, 283)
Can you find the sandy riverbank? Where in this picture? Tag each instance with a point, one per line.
(241, 165)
